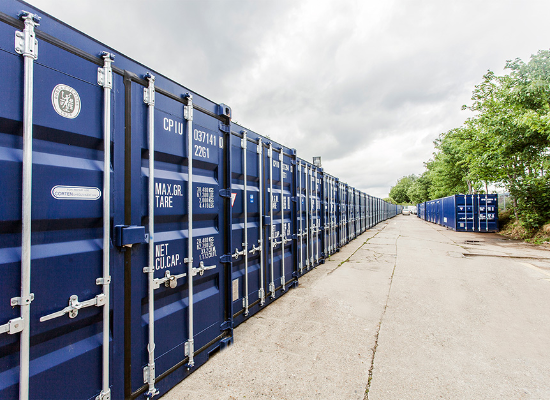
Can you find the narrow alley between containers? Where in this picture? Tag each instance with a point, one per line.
(408, 310)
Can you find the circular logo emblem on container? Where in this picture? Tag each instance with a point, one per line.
(66, 101)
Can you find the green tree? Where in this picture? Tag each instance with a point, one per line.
(399, 191)
(419, 191)
(512, 135)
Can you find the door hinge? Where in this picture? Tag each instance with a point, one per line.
(226, 259)
(226, 325)
(225, 193)
(224, 127)
(128, 235)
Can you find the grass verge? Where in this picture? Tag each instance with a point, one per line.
(512, 229)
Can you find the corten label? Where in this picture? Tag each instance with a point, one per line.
(61, 192)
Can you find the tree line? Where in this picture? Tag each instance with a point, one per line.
(506, 143)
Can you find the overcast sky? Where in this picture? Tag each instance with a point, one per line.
(366, 85)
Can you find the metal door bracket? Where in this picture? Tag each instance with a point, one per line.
(149, 92)
(17, 301)
(104, 395)
(105, 74)
(25, 42)
(103, 281)
(190, 351)
(149, 371)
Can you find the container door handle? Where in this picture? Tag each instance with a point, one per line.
(74, 306)
(202, 268)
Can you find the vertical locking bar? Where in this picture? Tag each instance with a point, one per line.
(465, 212)
(272, 232)
(326, 214)
(307, 215)
(283, 283)
(317, 217)
(330, 216)
(300, 232)
(26, 45)
(188, 114)
(105, 79)
(149, 99)
(245, 210)
(331, 226)
(261, 293)
(478, 214)
(487, 214)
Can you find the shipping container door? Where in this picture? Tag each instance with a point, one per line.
(358, 215)
(248, 270)
(315, 204)
(465, 213)
(353, 219)
(70, 200)
(278, 211)
(324, 216)
(487, 212)
(333, 215)
(302, 219)
(176, 285)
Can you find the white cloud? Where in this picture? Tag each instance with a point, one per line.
(365, 85)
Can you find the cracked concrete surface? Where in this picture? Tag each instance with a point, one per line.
(451, 326)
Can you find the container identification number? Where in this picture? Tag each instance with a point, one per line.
(204, 140)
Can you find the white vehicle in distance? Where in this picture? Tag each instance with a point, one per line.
(406, 210)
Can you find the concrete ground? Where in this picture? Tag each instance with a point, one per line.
(409, 310)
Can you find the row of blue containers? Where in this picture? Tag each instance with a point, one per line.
(150, 223)
(462, 212)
